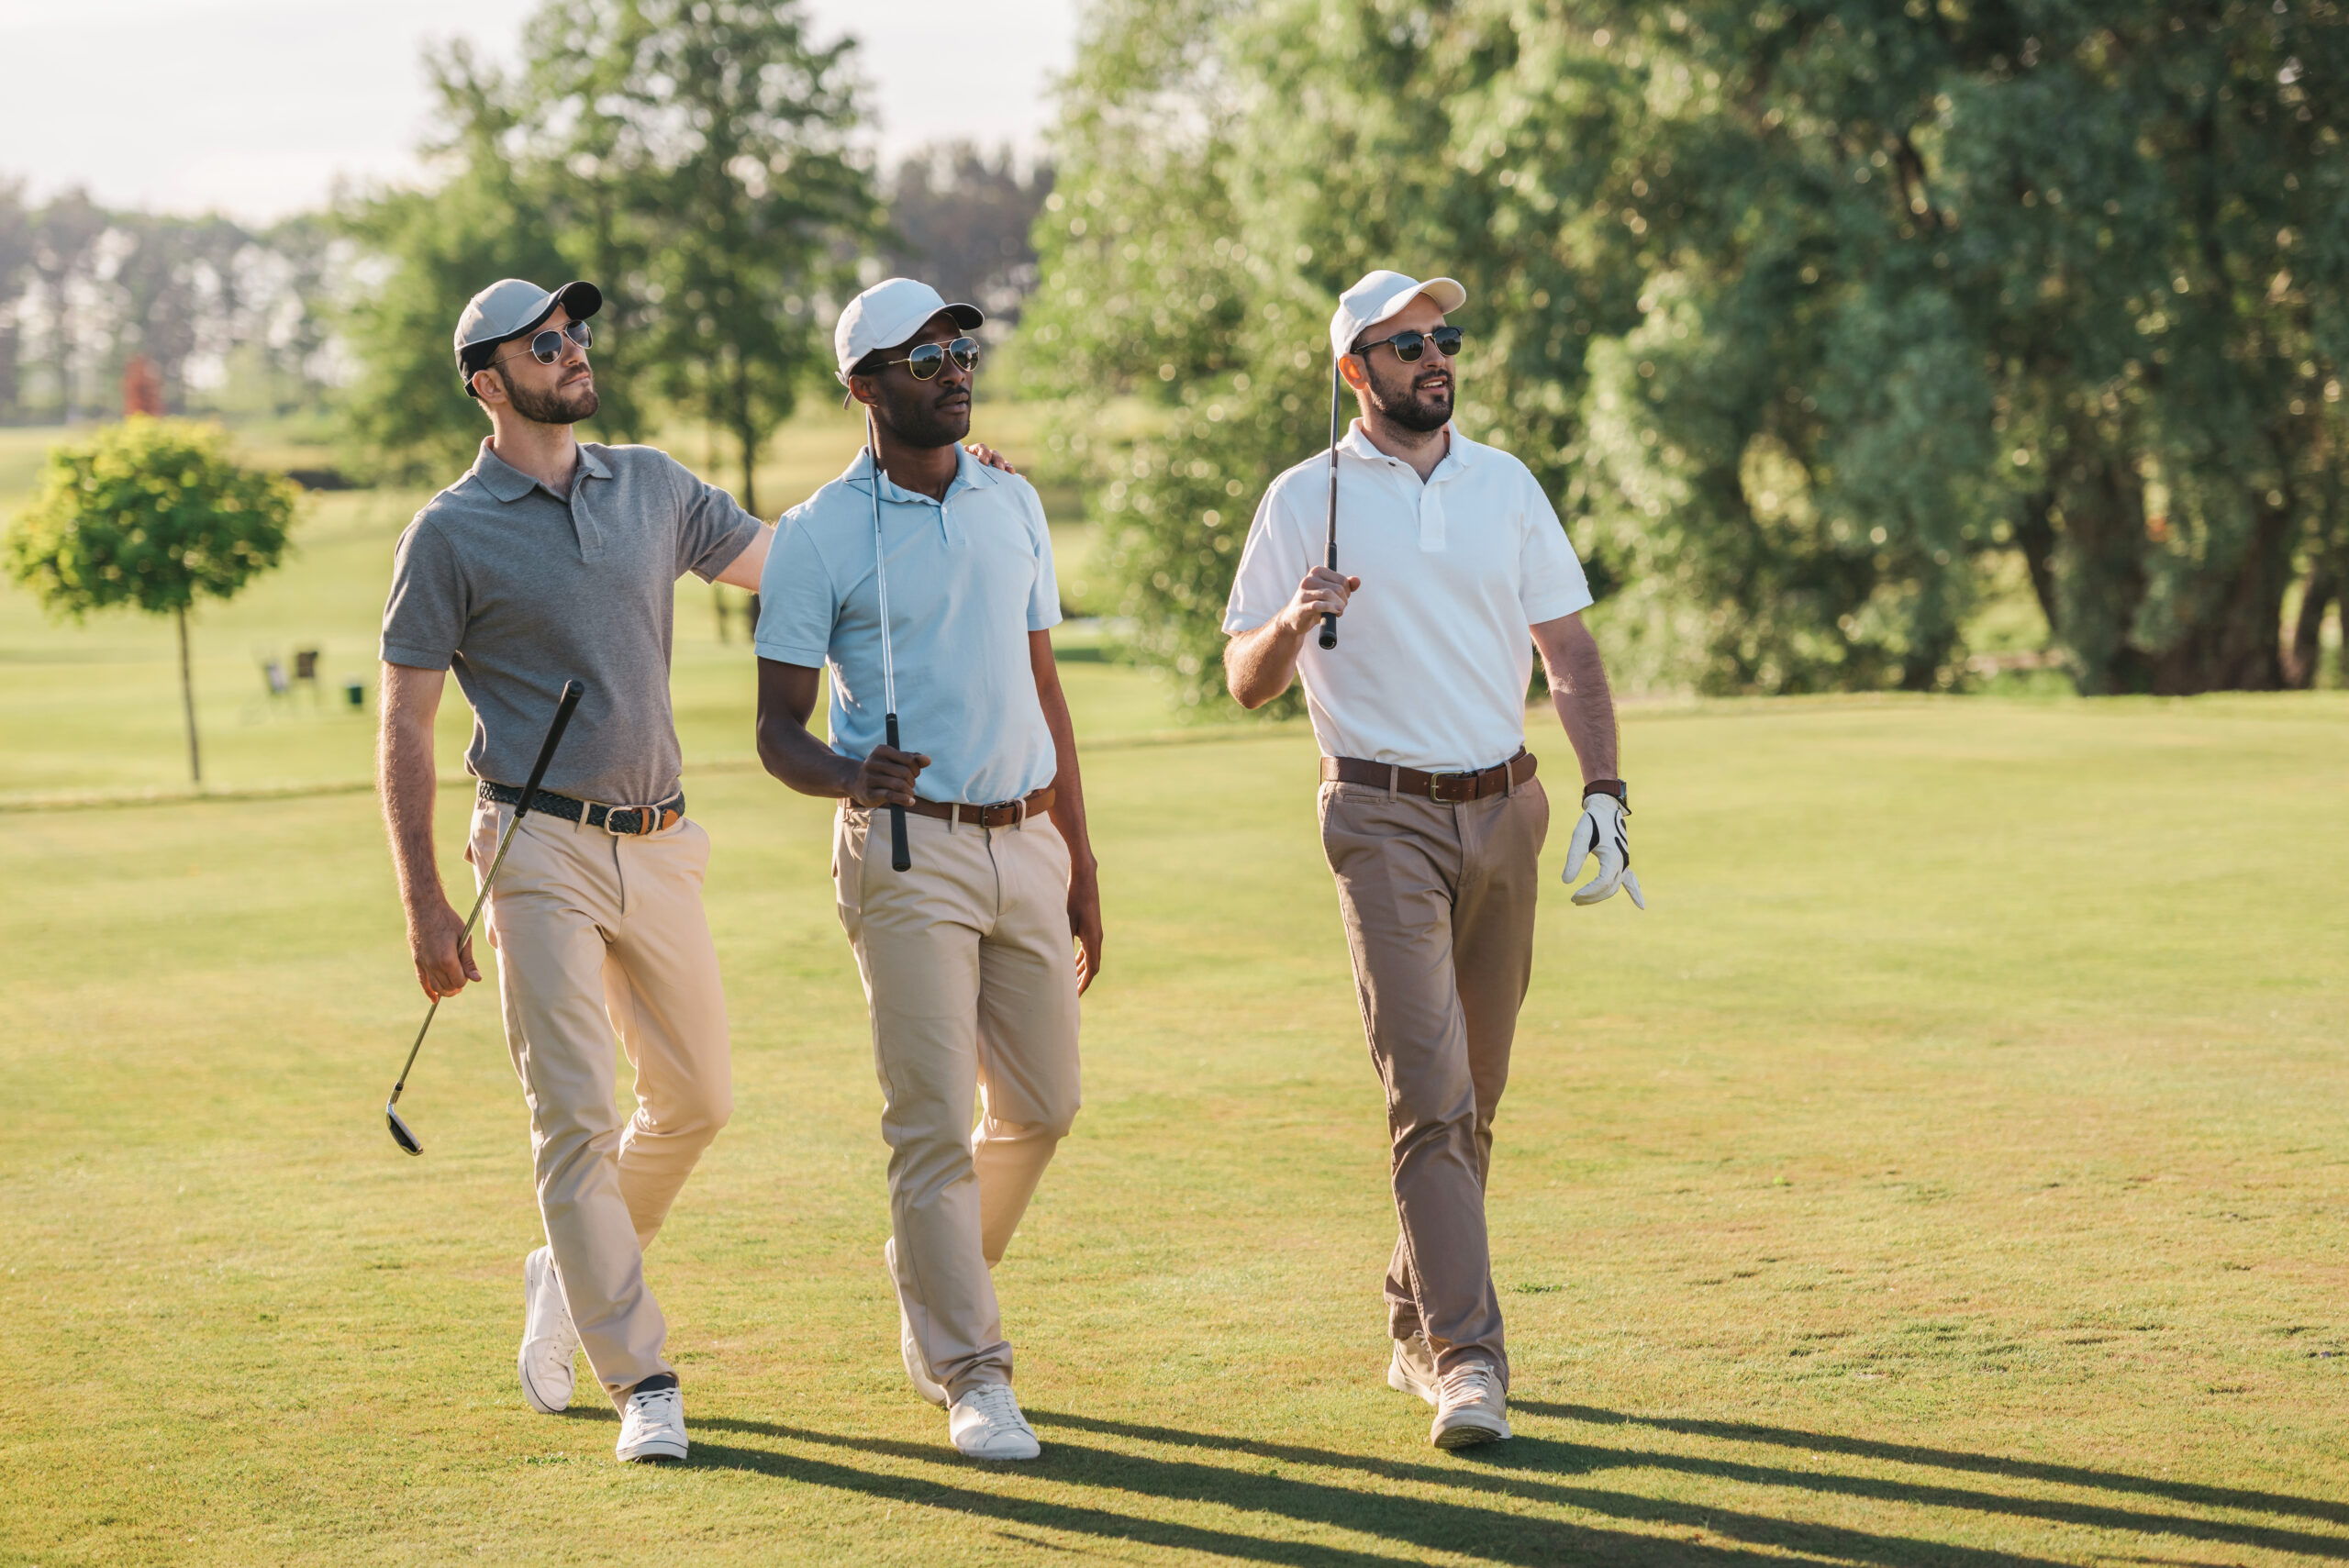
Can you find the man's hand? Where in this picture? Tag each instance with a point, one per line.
(1084, 923)
(988, 455)
(442, 966)
(1320, 592)
(887, 777)
(1602, 832)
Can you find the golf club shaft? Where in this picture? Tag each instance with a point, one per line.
(901, 857)
(1330, 618)
(569, 704)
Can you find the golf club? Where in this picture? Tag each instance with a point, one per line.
(1330, 618)
(402, 1134)
(901, 857)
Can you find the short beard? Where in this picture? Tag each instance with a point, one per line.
(551, 407)
(917, 423)
(1403, 406)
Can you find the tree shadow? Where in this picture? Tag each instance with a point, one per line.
(1417, 1525)
(2187, 1492)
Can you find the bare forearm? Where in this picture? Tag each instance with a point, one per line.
(792, 754)
(406, 780)
(1258, 665)
(1579, 692)
(1068, 788)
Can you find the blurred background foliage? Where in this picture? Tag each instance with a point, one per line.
(1895, 345)
(1817, 317)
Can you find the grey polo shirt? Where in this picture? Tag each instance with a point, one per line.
(518, 589)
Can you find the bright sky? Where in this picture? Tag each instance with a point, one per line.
(253, 106)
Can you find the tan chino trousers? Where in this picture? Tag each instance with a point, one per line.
(1438, 901)
(971, 979)
(600, 937)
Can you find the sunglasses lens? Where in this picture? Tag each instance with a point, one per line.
(1446, 340)
(925, 361)
(966, 351)
(1407, 346)
(581, 334)
(547, 347)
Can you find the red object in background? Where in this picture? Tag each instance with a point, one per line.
(142, 387)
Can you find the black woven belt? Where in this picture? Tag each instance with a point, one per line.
(622, 821)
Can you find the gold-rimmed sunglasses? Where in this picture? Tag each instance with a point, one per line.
(927, 359)
(547, 347)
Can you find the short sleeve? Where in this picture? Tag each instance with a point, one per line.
(1045, 599)
(424, 616)
(712, 528)
(1270, 568)
(1549, 580)
(798, 604)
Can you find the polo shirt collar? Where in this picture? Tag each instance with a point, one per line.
(510, 483)
(1462, 453)
(970, 473)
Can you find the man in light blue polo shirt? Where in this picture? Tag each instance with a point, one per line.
(966, 955)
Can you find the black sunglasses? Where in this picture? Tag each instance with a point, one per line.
(1407, 345)
(928, 359)
(547, 347)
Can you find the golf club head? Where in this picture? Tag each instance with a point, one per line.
(401, 1133)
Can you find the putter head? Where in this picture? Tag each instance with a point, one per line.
(401, 1133)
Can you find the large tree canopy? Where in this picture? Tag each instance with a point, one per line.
(1806, 313)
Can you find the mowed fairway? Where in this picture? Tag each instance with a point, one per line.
(1949, 1167)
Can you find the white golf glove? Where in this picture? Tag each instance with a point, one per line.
(1601, 833)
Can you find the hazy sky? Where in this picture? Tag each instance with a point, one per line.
(253, 106)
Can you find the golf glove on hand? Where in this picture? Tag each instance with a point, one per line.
(1601, 833)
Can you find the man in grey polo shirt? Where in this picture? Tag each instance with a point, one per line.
(552, 561)
(966, 955)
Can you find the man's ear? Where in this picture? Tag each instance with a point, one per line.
(1353, 371)
(861, 389)
(488, 384)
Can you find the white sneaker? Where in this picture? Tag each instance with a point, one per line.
(917, 1370)
(548, 1341)
(986, 1423)
(1412, 1369)
(653, 1426)
(1470, 1407)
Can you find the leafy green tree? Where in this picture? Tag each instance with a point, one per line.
(1801, 310)
(710, 173)
(153, 514)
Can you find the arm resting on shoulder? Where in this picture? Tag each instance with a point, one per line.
(405, 779)
(1579, 690)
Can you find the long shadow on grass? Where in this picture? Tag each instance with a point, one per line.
(1413, 1524)
(1947, 1459)
(1501, 1468)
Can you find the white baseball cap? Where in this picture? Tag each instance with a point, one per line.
(509, 308)
(1381, 295)
(887, 313)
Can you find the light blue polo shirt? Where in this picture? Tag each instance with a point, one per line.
(968, 581)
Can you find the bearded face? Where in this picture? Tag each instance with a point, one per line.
(1416, 396)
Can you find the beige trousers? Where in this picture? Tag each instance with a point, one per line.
(1438, 901)
(970, 977)
(598, 938)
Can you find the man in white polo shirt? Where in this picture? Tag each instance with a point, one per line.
(1455, 569)
(967, 954)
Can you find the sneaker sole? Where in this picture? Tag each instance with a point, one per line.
(1037, 1452)
(1466, 1436)
(666, 1451)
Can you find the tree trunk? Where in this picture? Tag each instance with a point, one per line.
(750, 462)
(2308, 632)
(2233, 644)
(187, 702)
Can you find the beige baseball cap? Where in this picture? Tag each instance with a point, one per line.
(1380, 296)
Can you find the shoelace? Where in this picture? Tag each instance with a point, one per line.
(1467, 1385)
(659, 1404)
(995, 1402)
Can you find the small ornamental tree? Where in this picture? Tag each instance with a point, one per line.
(152, 514)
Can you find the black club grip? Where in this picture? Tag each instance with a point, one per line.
(901, 857)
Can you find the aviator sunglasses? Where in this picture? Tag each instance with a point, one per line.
(1407, 346)
(547, 346)
(928, 359)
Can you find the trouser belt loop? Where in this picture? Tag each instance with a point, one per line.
(1394, 779)
(953, 815)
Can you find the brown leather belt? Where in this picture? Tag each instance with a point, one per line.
(1002, 816)
(1498, 779)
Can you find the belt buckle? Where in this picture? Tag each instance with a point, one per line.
(1439, 784)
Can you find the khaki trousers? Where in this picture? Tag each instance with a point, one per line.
(970, 977)
(600, 937)
(1438, 901)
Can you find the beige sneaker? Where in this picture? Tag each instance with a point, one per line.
(1411, 1370)
(1470, 1407)
(917, 1370)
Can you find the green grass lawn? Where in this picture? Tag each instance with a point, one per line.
(1948, 1168)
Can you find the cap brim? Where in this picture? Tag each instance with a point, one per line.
(580, 298)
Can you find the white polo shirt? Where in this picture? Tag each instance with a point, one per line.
(1434, 652)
